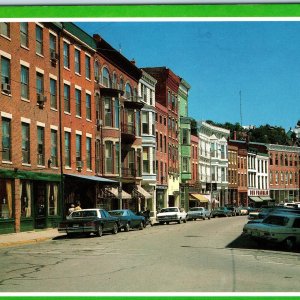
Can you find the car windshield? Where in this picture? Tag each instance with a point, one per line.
(169, 209)
(276, 220)
(196, 208)
(117, 212)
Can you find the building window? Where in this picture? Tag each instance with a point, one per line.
(78, 102)
(24, 82)
(121, 84)
(78, 147)
(108, 157)
(5, 29)
(145, 122)
(131, 164)
(105, 78)
(67, 107)
(54, 148)
(87, 67)
(24, 34)
(39, 40)
(66, 55)
(185, 136)
(52, 198)
(77, 61)
(52, 44)
(88, 153)
(26, 198)
(117, 115)
(6, 139)
(185, 164)
(41, 146)
(53, 94)
(67, 149)
(114, 81)
(107, 112)
(96, 71)
(5, 71)
(6, 196)
(146, 160)
(40, 83)
(88, 106)
(128, 92)
(117, 160)
(25, 143)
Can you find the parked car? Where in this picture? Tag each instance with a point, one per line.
(233, 209)
(128, 219)
(198, 213)
(221, 212)
(87, 221)
(171, 214)
(242, 211)
(278, 228)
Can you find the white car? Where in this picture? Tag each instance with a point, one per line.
(277, 228)
(171, 214)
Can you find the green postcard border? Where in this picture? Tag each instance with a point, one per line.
(152, 11)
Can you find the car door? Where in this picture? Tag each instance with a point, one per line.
(134, 218)
(106, 219)
(296, 229)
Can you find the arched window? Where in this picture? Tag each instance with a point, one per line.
(105, 77)
(128, 91)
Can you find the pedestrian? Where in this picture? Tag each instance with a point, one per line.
(77, 206)
(72, 208)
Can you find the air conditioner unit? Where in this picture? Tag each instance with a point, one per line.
(79, 164)
(41, 99)
(53, 56)
(5, 87)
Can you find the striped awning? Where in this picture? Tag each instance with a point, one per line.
(115, 192)
(266, 198)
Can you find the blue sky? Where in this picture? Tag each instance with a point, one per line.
(220, 59)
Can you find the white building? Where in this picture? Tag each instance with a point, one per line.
(213, 161)
(147, 91)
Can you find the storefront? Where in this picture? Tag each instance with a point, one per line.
(29, 200)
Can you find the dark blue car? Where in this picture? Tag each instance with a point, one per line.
(128, 219)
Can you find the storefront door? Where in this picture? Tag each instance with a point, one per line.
(39, 191)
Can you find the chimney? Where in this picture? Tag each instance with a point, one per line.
(133, 61)
(97, 37)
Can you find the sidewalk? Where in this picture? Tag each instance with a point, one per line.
(28, 237)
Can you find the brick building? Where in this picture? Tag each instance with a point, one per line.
(166, 93)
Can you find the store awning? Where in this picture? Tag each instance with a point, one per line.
(266, 198)
(143, 192)
(256, 199)
(93, 178)
(115, 192)
(201, 198)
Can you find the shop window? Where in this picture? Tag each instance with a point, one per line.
(5, 199)
(52, 197)
(26, 199)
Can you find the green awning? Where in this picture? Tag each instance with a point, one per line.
(256, 199)
(26, 175)
(266, 198)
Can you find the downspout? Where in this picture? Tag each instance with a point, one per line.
(62, 206)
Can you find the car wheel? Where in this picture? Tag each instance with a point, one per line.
(127, 227)
(115, 229)
(184, 221)
(167, 223)
(203, 218)
(99, 231)
(289, 243)
(141, 227)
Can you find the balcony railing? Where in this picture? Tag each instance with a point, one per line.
(129, 172)
(128, 129)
